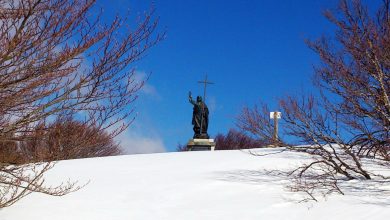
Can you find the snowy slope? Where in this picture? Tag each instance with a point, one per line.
(191, 185)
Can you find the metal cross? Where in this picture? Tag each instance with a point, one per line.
(205, 82)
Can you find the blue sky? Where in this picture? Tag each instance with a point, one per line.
(251, 50)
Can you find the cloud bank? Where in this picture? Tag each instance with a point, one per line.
(137, 143)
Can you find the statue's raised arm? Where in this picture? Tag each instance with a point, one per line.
(190, 98)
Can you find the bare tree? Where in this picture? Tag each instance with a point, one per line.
(58, 58)
(256, 122)
(359, 74)
(351, 118)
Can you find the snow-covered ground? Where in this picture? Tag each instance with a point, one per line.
(193, 185)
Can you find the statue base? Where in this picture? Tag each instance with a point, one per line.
(201, 136)
(197, 144)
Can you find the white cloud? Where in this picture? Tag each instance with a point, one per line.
(133, 142)
(147, 89)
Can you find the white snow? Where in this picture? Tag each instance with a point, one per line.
(193, 185)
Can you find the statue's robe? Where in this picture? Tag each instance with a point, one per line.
(200, 117)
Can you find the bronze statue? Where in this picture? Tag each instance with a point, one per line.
(200, 118)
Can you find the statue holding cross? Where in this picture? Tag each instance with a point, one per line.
(200, 115)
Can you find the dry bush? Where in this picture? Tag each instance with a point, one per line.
(9, 153)
(58, 58)
(181, 148)
(236, 140)
(67, 139)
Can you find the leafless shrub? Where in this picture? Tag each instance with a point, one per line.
(236, 140)
(9, 152)
(67, 139)
(181, 147)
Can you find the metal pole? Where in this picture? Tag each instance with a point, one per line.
(275, 128)
(204, 92)
(204, 101)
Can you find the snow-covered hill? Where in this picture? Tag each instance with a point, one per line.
(191, 185)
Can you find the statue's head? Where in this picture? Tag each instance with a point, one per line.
(199, 99)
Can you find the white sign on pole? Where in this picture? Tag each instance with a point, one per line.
(278, 115)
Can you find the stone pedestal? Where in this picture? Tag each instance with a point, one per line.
(201, 145)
